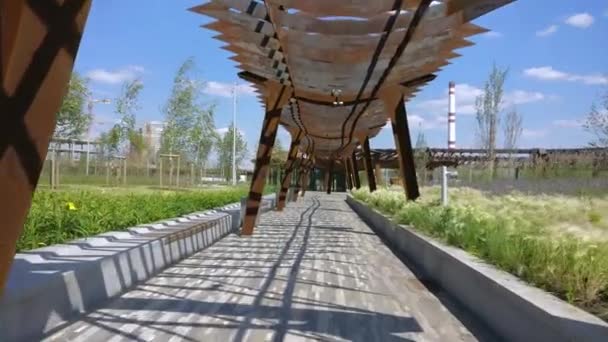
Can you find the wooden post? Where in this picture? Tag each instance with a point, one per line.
(355, 168)
(170, 171)
(160, 171)
(107, 173)
(379, 176)
(124, 169)
(329, 177)
(347, 177)
(289, 165)
(38, 44)
(403, 144)
(192, 174)
(267, 138)
(369, 168)
(178, 166)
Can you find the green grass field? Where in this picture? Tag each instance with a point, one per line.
(556, 242)
(81, 211)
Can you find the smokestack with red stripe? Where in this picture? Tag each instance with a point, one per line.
(452, 117)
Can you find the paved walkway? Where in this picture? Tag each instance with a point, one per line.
(312, 272)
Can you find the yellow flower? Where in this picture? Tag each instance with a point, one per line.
(71, 206)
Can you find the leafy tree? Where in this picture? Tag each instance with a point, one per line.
(126, 106)
(420, 155)
(110, 141)
(279, 154)
(489, 106)
(512, 128)
(203, 136)
(225, 151)
(180, 111)
(73, 121)
(596, 122)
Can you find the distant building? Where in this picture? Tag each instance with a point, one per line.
(153, 131)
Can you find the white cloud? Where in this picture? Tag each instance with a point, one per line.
(225, 89)
(580, 20)
(492, 34)
(547, 73)
(222, 131)
(547, 31)
(465, 101)
(466, 95)
(127, 73)
(533, 133)
(566, 123)
(517, 97)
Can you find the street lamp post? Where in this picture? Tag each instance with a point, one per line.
(90, 108)
(234, 134)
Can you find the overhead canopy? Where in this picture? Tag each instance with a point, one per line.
(359, 49)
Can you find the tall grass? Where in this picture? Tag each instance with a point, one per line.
(515, 233)
(60, 216)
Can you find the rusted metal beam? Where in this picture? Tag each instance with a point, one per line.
(369, 167)
(39, 41)
(403, 144)
(329, 177)
(267, 138)
(289, 166)
(347, 176)
(355, 169)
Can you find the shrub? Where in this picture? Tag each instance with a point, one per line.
(57, 217)
(514, 233)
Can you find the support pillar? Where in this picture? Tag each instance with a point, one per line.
(305, 180)
(369, 168)
(289, 166)
(355, 168)
(379, 175)
(403, 144)
(347, 177)
(329, 177)
(267, 138)
(38, 44)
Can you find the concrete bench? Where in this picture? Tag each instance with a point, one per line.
(49, 286)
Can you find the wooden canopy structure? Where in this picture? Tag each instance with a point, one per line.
(333, 72)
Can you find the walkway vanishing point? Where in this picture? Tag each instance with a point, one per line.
(312, 272)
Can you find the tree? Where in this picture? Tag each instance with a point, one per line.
(512, 129)
(72, 119)
(203, 136)
(488, 106)
(420, 154)
(126, 106)
(181, 113)
(225, 151)
(596, 122)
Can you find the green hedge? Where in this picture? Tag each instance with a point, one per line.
(60, 216)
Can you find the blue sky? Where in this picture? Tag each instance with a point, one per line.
(556, 50)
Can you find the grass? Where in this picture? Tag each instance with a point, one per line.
(555, 242)
(60, 216)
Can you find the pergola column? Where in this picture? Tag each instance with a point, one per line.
(403, 144)
(305, 180)
(347, 177)
(355, 168)
(369, 167)
(289, 166)
(378, 172)
(39, 42)
(267, 138)
(329, 177)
